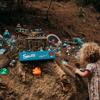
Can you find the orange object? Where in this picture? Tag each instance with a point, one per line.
(37, 71)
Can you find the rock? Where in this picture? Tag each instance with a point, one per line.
(4, 61)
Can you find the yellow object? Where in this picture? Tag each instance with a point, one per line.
(37, 71)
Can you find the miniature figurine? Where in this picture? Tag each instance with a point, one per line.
(6, 35)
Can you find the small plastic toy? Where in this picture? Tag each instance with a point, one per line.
(12, 63)
(65, 44)
(11, 42)
(18, 27)
(6, 34)
(78, 41)
(37, 71)
(4, 71)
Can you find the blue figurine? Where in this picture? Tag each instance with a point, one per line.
(6, 35)
(78, 41)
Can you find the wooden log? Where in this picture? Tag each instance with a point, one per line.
(57, 69)
(66, 68)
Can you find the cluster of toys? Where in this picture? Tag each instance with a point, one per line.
(55, 46)
(70, 46)
(6, 40)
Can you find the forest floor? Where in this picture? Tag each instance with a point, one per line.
(64, 21)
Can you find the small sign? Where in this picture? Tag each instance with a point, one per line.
(4, 71)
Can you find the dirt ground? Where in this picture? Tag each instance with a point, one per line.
(49, 86)
(65, 16)
(20, 84)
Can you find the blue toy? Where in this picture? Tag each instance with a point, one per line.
(37, 55)
(78, 41)
(6, 34)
